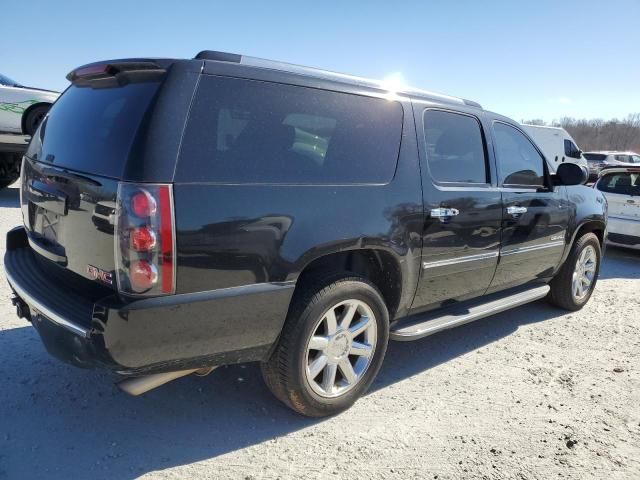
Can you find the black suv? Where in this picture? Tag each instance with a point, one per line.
(183, 214)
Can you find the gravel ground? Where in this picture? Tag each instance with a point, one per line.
(534, 393)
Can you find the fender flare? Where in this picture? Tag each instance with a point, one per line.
(587, 225)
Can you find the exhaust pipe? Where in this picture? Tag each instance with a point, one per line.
(138, 385)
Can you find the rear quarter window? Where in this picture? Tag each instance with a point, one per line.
(245, 131)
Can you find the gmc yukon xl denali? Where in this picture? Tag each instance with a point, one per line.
(185, 214)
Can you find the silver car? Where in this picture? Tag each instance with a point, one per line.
(598, 160)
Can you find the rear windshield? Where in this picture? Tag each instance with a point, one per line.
(92, 130)
(245, 131)
(595, 157)
(622, 183)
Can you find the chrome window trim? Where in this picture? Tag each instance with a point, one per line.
(45, 311)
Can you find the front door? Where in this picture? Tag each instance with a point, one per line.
(535, 215)
(463, 209)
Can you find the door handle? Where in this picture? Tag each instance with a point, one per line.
(516, 211)
(444, 214)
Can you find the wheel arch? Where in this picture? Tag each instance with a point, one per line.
(379, 266)
(596, 226)
(25, 114)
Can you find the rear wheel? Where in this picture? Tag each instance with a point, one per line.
(332, 346)
(9, 168)
(572, 287)
(34, 117)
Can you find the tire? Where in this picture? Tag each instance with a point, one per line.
(34, 117)
(564, 291)
(9, 168)
(288, 372)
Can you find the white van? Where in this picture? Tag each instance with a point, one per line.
(556, 144)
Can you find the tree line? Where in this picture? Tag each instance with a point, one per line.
(600, 134)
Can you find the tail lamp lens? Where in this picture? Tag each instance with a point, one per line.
(145, 240)
(143, 275)
(143, 205)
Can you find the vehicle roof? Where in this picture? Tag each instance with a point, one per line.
(223, 58)
(545, 127)
(618, 169)
(612, 152)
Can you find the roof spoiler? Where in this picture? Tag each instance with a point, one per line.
(116, 73)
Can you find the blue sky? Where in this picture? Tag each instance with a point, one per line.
(525, 59)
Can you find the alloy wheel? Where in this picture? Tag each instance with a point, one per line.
(584, 273)
(341, 348)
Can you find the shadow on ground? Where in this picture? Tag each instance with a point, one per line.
(60, 422)
(620, 263)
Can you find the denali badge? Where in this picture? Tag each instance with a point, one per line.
(97, 274)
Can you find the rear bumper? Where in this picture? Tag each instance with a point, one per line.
(88, 328)
(623, 232)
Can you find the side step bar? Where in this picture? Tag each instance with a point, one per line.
(414, 328)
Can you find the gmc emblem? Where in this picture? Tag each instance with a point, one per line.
(96, 273)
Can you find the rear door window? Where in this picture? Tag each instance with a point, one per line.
(520, 163)
(246, 131)
(455, 147)
(93, 130)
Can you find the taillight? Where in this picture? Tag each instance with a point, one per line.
(145, 240)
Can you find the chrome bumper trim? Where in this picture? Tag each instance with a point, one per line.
(45, 311)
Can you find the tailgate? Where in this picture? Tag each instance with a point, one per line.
(69, 219)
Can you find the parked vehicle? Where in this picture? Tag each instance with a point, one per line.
(621, 188)
(556, 144)
(22, 108)
(599, 160)
(261, 211)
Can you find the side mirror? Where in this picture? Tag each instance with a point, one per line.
(570, 174)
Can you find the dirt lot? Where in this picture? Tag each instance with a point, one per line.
(534, 393)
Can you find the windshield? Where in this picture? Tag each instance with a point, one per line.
(623, 183)
(7, 81)
(594, 157)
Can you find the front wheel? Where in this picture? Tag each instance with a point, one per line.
(573, 285)
(331, 348)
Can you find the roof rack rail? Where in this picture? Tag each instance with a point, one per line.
(324, 74)
(219, 56)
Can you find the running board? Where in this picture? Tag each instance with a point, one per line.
(433, 322)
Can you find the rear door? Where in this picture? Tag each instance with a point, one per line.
(535, 216)
(462, 208)
(71, 173)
